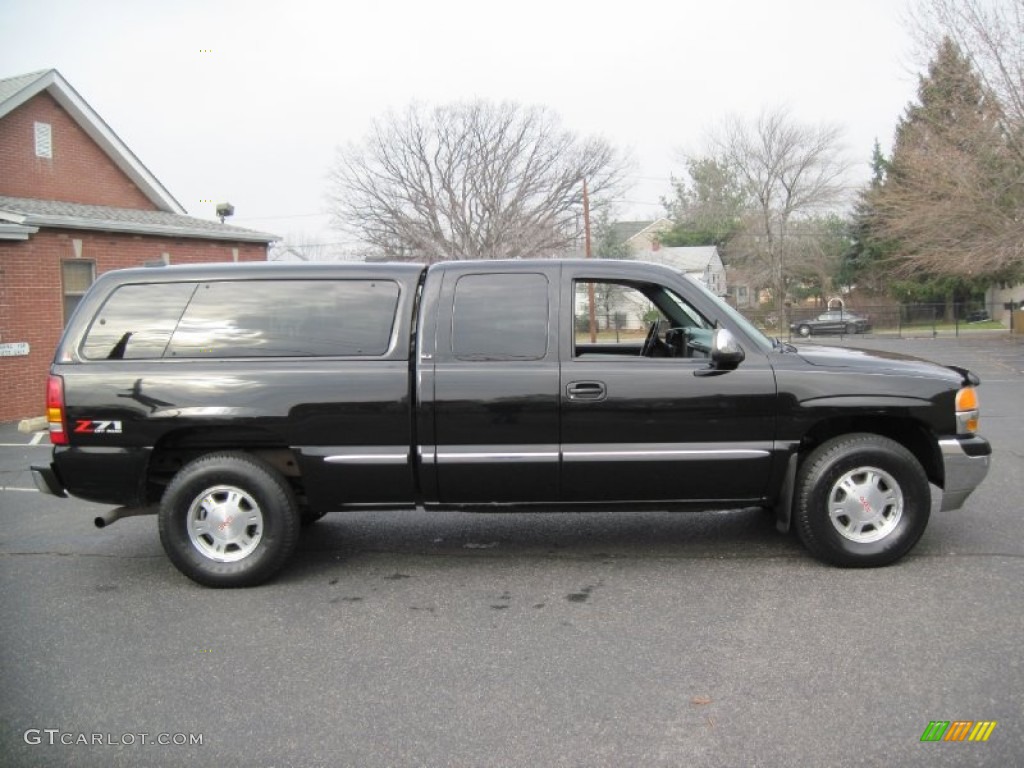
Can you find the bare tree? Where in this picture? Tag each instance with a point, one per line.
(786, 170)
(818, 246)
(468, 181)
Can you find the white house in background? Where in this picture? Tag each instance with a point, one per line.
(640, 236)
(627, 310)
(637, 236)
(998, 299)
(703, 263)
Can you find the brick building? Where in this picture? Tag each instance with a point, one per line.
(75, 202)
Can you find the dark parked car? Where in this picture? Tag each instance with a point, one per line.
(833, 321)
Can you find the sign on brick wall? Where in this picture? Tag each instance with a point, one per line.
(14, 349)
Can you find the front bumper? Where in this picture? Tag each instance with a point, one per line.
(965, 462)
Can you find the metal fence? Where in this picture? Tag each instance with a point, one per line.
(903, 320)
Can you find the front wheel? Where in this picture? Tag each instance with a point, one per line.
(804, 330)
(228, 520)
(861, 500)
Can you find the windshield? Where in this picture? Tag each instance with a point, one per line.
(762, 341)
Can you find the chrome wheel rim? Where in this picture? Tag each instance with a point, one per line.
(225, 524)
(865, 504)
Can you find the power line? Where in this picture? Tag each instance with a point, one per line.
(323, 245)
(288, 216)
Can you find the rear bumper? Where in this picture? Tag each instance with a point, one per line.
(46, 480)
(104, 475)
(965, 462)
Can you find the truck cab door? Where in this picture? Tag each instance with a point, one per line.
(640, 419)
(489, 385)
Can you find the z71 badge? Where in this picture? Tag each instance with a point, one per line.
(96, 427)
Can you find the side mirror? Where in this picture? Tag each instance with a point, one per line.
(726, 354)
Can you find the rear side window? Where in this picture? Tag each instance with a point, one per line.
(245, 318)
(500, 317)
(295, 318)
(137, 321)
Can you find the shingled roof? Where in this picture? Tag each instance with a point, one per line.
(11, 86)
(626, 231)
(17, 213)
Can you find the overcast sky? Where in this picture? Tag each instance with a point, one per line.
(246, 101)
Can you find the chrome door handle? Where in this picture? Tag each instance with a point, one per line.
(586, 390)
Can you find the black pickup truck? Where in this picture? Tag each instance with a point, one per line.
(238, 402)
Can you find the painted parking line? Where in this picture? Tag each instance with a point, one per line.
(25, 445)
(36, 438)
(4, 488)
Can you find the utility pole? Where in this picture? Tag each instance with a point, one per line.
(590, 286)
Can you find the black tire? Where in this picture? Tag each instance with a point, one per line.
(861, 501)
(201, 529)
(804, 330)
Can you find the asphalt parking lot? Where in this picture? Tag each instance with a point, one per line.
(413, 639)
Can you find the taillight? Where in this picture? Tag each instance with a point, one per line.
(55, 410)
(967, 410)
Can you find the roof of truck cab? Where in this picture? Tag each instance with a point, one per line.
(404, 271)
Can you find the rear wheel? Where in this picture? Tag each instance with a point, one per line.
(861, 500)
(804, 330)
(228, 520)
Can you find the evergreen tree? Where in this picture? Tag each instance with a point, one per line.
(863, 265)
(606, 241)
(947, 213)
(707, 207)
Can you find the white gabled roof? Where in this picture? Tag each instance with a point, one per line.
(15, 91)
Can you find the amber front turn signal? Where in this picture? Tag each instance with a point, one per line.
(967, 411)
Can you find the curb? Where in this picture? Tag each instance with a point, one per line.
(27, 426)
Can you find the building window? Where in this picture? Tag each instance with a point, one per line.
(76, 277)
(44, 140)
